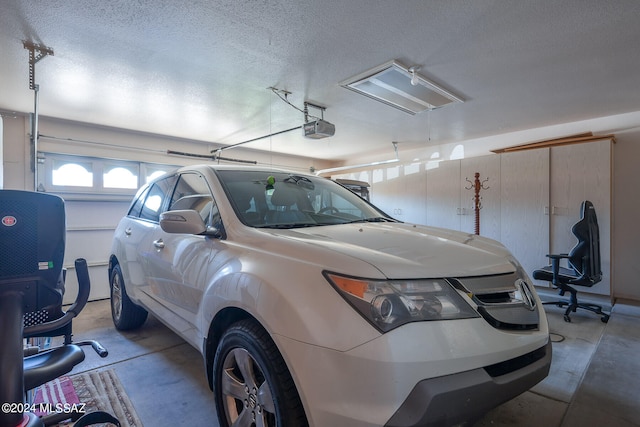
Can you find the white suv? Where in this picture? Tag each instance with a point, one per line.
(312, 307)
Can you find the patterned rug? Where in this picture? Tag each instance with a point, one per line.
(88, 392)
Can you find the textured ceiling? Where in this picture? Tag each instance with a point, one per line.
(201, 69)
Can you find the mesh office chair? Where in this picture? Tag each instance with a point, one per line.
(583, 264)
(32, 244)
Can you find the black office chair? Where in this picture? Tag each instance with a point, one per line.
(583, 265)
(32, 244)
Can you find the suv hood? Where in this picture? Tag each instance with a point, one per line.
(401, 250)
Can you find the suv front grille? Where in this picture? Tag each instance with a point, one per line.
(500, 300)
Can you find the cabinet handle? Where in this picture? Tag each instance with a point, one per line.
(559, 210)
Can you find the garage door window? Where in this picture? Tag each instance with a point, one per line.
(120, 177)
(72, 174)
(153, 173)
(94, 177)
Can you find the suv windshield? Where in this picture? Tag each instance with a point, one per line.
(285, 200)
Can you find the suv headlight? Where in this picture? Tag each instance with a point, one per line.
(387, 304)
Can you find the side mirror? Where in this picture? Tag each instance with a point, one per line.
(186, 221)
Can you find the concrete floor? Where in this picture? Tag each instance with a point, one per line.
(594, 379)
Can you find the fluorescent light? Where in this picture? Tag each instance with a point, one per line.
(393, 84)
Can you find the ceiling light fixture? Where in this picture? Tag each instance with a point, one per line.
(414, 74)
(398, 86)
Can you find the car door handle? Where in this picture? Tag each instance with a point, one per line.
(158, 243)
(128, 231)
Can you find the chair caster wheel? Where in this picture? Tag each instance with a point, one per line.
(567, 318)
(605, 318)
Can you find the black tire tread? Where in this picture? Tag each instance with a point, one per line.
(132, 315)
(283, 381)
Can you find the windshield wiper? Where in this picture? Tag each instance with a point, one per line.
(374, 219)
(289, 225)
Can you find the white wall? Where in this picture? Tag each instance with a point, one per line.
(16, 153)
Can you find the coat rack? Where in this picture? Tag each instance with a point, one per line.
(477, 185)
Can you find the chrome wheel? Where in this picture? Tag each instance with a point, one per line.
(247, 396)
(251, 381)
(116, 297)
(125, 314)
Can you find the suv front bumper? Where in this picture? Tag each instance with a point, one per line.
(466, 396)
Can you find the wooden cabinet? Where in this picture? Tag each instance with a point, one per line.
(443, 195)
(581, 173)
(450, 196)
(413, 206)
(524, 224)
(384, 192)
(399, 191)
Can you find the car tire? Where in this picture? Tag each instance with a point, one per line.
(125, 314)
(252, 384)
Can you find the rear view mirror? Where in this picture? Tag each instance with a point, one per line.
(186, 221)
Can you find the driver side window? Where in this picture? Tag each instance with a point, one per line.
(192, 192)
(150, 204)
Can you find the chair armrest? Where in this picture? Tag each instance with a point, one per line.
(84, 288)
(557, 256)
(555, 265)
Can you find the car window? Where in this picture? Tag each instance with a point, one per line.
(284, 200)
(154, 201)
(138, 202)
(192, 192)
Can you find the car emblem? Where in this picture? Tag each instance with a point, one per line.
(525, 294)
(9, 221)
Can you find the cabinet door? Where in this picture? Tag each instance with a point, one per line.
(413, 208)
(578, 173)
(524, 226)
(380, 192)
(489, 169)
(400, 190)
(443, 195)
